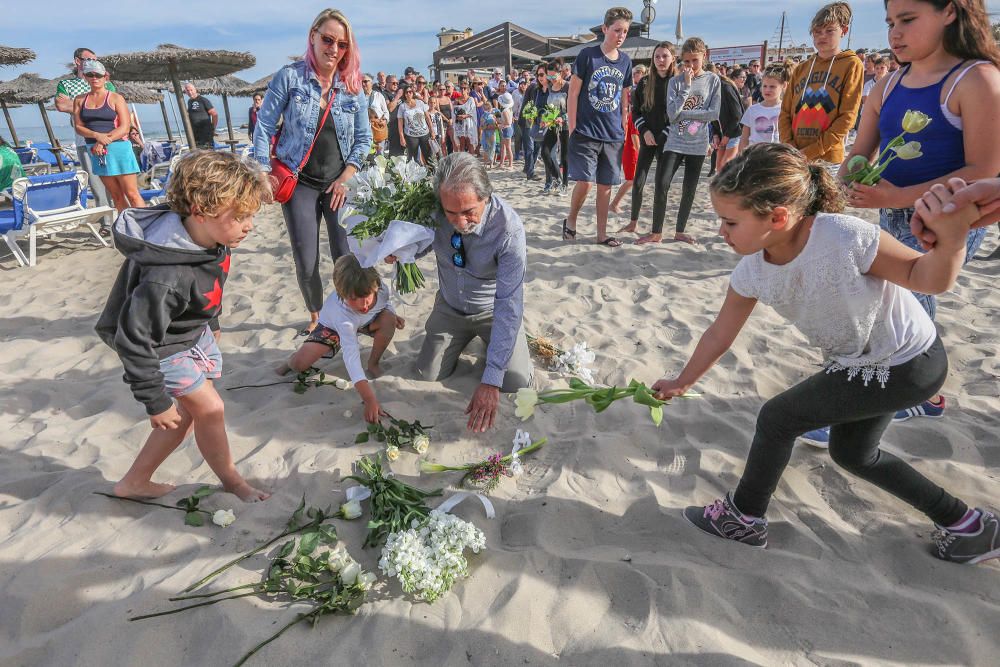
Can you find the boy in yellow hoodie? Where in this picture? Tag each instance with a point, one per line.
(825, 93)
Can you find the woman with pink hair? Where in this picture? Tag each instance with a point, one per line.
(324, 139)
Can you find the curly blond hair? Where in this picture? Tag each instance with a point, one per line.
(210, 183)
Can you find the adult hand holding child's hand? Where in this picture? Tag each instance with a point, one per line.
(167, 420)
(937, 226)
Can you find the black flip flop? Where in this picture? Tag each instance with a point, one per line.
(567, 233)
(611, 242)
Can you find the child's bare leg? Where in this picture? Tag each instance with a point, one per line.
(208, 415)
(159, 445)
(383, 329)
(303, 358)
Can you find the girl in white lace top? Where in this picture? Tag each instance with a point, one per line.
(844, 284)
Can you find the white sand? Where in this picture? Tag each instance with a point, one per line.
(589, 560)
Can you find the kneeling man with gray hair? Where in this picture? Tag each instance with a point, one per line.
(481, 264)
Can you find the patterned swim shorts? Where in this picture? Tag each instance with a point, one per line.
(186, 371)
(324, 335)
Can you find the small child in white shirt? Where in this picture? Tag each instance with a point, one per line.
(360, 305)
(760, 121)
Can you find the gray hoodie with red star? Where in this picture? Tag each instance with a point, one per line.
(167, 290)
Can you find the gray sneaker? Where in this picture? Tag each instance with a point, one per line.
(722, 519)
(970, 548)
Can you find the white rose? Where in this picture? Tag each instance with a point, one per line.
(339, 560)
(421, 443)
(223, 518)
(366, 580)
(392, 452)
(351, 509)
(349, 574)
(341, 383)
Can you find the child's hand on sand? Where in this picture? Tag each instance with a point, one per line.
(167, 420)
(373, 411)
(950, 227)
(665, 389)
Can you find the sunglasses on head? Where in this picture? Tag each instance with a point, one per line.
(458, 257)
(330, 41)
(93, 75)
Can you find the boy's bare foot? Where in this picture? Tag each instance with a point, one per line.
(375, 371)
(649, 238)
(630, 227)
(245, 492)
(146, 489)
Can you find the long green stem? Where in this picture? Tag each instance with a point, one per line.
(236, 561)
(212, 595)
(151, 504)
(253, 386)
(191, 606)
(298, 619)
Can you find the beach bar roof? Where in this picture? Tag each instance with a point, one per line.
(507, 45)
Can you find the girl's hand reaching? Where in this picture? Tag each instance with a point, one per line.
(665, 389)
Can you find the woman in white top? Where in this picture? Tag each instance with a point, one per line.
(466, 125)
(844, 285)
(415, 126)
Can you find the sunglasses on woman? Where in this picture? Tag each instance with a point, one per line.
(330, 41)
(93, 75)
(458, 257)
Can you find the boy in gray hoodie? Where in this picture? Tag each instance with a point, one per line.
(162, 316)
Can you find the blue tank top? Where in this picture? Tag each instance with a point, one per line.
(102, 119)
(940, 142)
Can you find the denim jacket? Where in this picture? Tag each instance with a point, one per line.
(295, 96)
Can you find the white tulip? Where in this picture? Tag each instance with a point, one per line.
(351, 509)
(223, 518)
(526, 400)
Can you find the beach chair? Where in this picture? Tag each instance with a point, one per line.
(46, 153)
(157, 191)
(30, 162)
(47, 205)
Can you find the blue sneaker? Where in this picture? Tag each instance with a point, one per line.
(926, 409)
(818, 438)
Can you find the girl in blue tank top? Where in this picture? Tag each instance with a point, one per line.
(951, 74)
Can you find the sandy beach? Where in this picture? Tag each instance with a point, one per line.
(589, 561)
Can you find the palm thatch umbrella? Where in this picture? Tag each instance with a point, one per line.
(139, 94)
(12, 56)
(258, 86)
(170, 62)
(33, 89)
(225, 86)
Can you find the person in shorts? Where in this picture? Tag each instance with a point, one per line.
(359, 305)
(162, 316)
(598, 118)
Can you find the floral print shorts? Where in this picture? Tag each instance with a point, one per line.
(186, 371)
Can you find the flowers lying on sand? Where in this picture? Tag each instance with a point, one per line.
(428, 557)
(394, 504)
(576, 361)
(599, 398)
(310, 567)
(860, 171)
(489, 472)
(223, 518)
(193, 514)
(399, 433)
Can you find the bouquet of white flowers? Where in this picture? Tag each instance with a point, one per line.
(429, 557)
(392, 203)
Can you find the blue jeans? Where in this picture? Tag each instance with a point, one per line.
(896, 221)
(531, 151)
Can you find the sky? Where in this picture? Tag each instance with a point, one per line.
(392, 34)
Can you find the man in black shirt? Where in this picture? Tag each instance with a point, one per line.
(203, 117)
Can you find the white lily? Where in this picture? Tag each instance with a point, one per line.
(223, 518)
(526, 400)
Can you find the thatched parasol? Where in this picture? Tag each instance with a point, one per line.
(172, 63)
(258, 86)
(138, 94)
(225, 86)
(33, 89)
(11, 56)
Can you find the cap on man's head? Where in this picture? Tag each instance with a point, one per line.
(92, 66)
(409, 70)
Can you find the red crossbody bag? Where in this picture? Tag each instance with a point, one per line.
(286, 179)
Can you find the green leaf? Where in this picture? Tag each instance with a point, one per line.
(194, 519)
(308, 543)
(296, 519)
(657, 414)
(300, 388)
(373, 428)
(327, 534)
(286, 548)
(577, 383)
(361, 439)
(203, 492)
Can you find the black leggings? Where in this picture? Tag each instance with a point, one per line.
(423, 143)
(858, 415)
(302, 215)
(665, 171)
(642, 165)
(552, 169)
